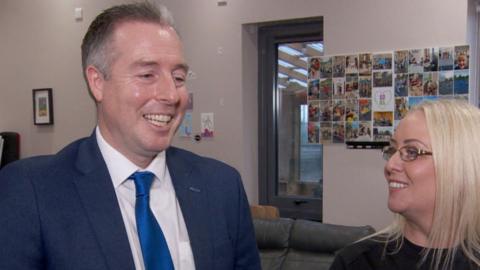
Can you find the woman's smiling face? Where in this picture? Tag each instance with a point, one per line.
(411, 184)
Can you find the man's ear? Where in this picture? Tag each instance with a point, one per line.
(96, 82)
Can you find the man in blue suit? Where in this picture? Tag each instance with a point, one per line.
(78, 209)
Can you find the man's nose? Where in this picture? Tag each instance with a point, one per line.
(165, 90)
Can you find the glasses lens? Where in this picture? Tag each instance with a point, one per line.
(388, 152)
(409, 153)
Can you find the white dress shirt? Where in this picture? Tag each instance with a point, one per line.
(163, 203)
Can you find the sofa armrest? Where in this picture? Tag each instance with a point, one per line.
(272, 237)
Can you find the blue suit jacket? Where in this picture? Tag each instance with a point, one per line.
(61, 212)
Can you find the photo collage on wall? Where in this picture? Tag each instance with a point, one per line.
(362, 97)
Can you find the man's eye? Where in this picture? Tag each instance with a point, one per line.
(179, 80)
(146, 76)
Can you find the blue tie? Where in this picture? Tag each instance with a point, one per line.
(156, 255)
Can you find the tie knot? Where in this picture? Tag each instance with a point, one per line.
(143, 182)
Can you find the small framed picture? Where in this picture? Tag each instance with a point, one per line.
(42, 106)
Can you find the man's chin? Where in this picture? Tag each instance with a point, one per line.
(159, 145)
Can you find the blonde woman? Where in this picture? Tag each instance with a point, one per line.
(433, 175)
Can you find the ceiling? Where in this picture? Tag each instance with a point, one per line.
(292, 62)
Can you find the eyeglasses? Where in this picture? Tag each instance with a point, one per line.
(407, 152)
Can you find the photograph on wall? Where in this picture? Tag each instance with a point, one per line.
(338, 111)
(365, 86)
(185, 129)
(401, 61)
(338, 68)
(382, 78)
(42, 106)
(382, 119)
(430, 59)
(365, 66)
(460, 82)
(313, 89)
(351, 64)
(430, 84)
(365, 109)
(325, 67)
(382, 134)
(351, 131)
(207, 124)
(338, 132)
(445, 83)
(351, 110)
(364, 131)
(339, 88)
(415, 61)
(351, 86)
(314, 111)
(401, 107)
(383, 99)
(326, 132)
(462, 55)
(314, 68)
(382, 61)
(326, 90)
(445, 59)
(415, 84)
(401, 85)
(414, 101)
(325, 110)
(313, 132)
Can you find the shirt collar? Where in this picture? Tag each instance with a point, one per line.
(120, 167)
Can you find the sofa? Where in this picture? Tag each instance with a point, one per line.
(287, 244)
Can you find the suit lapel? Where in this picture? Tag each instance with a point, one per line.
(192, 197)
(99, 199)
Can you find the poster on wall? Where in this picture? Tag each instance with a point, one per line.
(207, 124)
(185, 129)
(362, 97)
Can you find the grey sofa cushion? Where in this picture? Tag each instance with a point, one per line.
(287, 244)
(306, 260)
(313, 244)
(325, 238)
(272, 240)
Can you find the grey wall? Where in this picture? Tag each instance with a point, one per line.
(40, 48)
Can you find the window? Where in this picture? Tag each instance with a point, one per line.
(290, 168)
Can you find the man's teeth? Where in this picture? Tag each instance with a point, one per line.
(396, 185)
(158, 119)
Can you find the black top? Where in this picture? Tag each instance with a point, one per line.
(369, 255)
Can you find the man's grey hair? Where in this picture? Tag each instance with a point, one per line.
(96, 45)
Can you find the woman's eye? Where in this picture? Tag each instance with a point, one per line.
(411, 151)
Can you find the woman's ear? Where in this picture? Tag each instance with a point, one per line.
(96, 81)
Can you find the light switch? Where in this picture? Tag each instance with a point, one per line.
(78, 14)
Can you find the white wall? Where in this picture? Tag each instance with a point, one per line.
(40, 47)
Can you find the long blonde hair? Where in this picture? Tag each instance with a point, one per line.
(454, 130)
